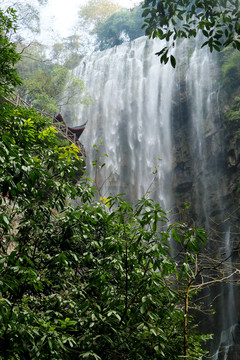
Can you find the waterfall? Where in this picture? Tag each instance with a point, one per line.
(201, 83)
(131, 117)
(154, 129)
(228, 346)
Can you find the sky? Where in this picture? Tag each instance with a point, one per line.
(63, 13)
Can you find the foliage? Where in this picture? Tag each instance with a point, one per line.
(91, 16)
(98, 11)
(8, 55)
(230, 69)
(44, 81)
(232, 116)
(68, 52)
(217, 21)
(48, 85)
(91, 281)
(121, 26)
(230, 72)
(28, 16)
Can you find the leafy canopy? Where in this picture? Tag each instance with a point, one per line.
(98, 11)
(8, 55)
(217, 21)
(119, 27)
(48, 85)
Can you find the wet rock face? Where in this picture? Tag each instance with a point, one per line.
(229, 105)
(232, 165)
(234, 353)
(207, 176)
(183, 178)
(230, 345)
(229, 353)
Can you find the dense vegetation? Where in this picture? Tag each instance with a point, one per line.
(123, 25)
(230, 74)
(90, 281)
(110, 24)
(96, 280)
(45, 70)
(217, 21)
(44, 85)
(8, 56)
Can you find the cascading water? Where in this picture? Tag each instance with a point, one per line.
(131, 116)
(201, 84)
(228, 317)
(137, 107)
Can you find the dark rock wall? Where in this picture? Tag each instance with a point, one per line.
(210, 184)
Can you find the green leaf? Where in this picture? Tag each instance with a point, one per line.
(173, 61)
(176, 237)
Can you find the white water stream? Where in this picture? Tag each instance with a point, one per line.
(131, 117)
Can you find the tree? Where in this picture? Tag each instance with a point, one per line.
(48, 85)
(44, 80)
(119, 27)
(68, 52)
(217, 21)
(28, 17)
(92, 15)
(98, 11)
(8, 54)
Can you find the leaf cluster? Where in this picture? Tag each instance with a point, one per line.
(121, 26)
(97, 11)
(8, 54)
(217, 21)
(230, 72)
(47, 85)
